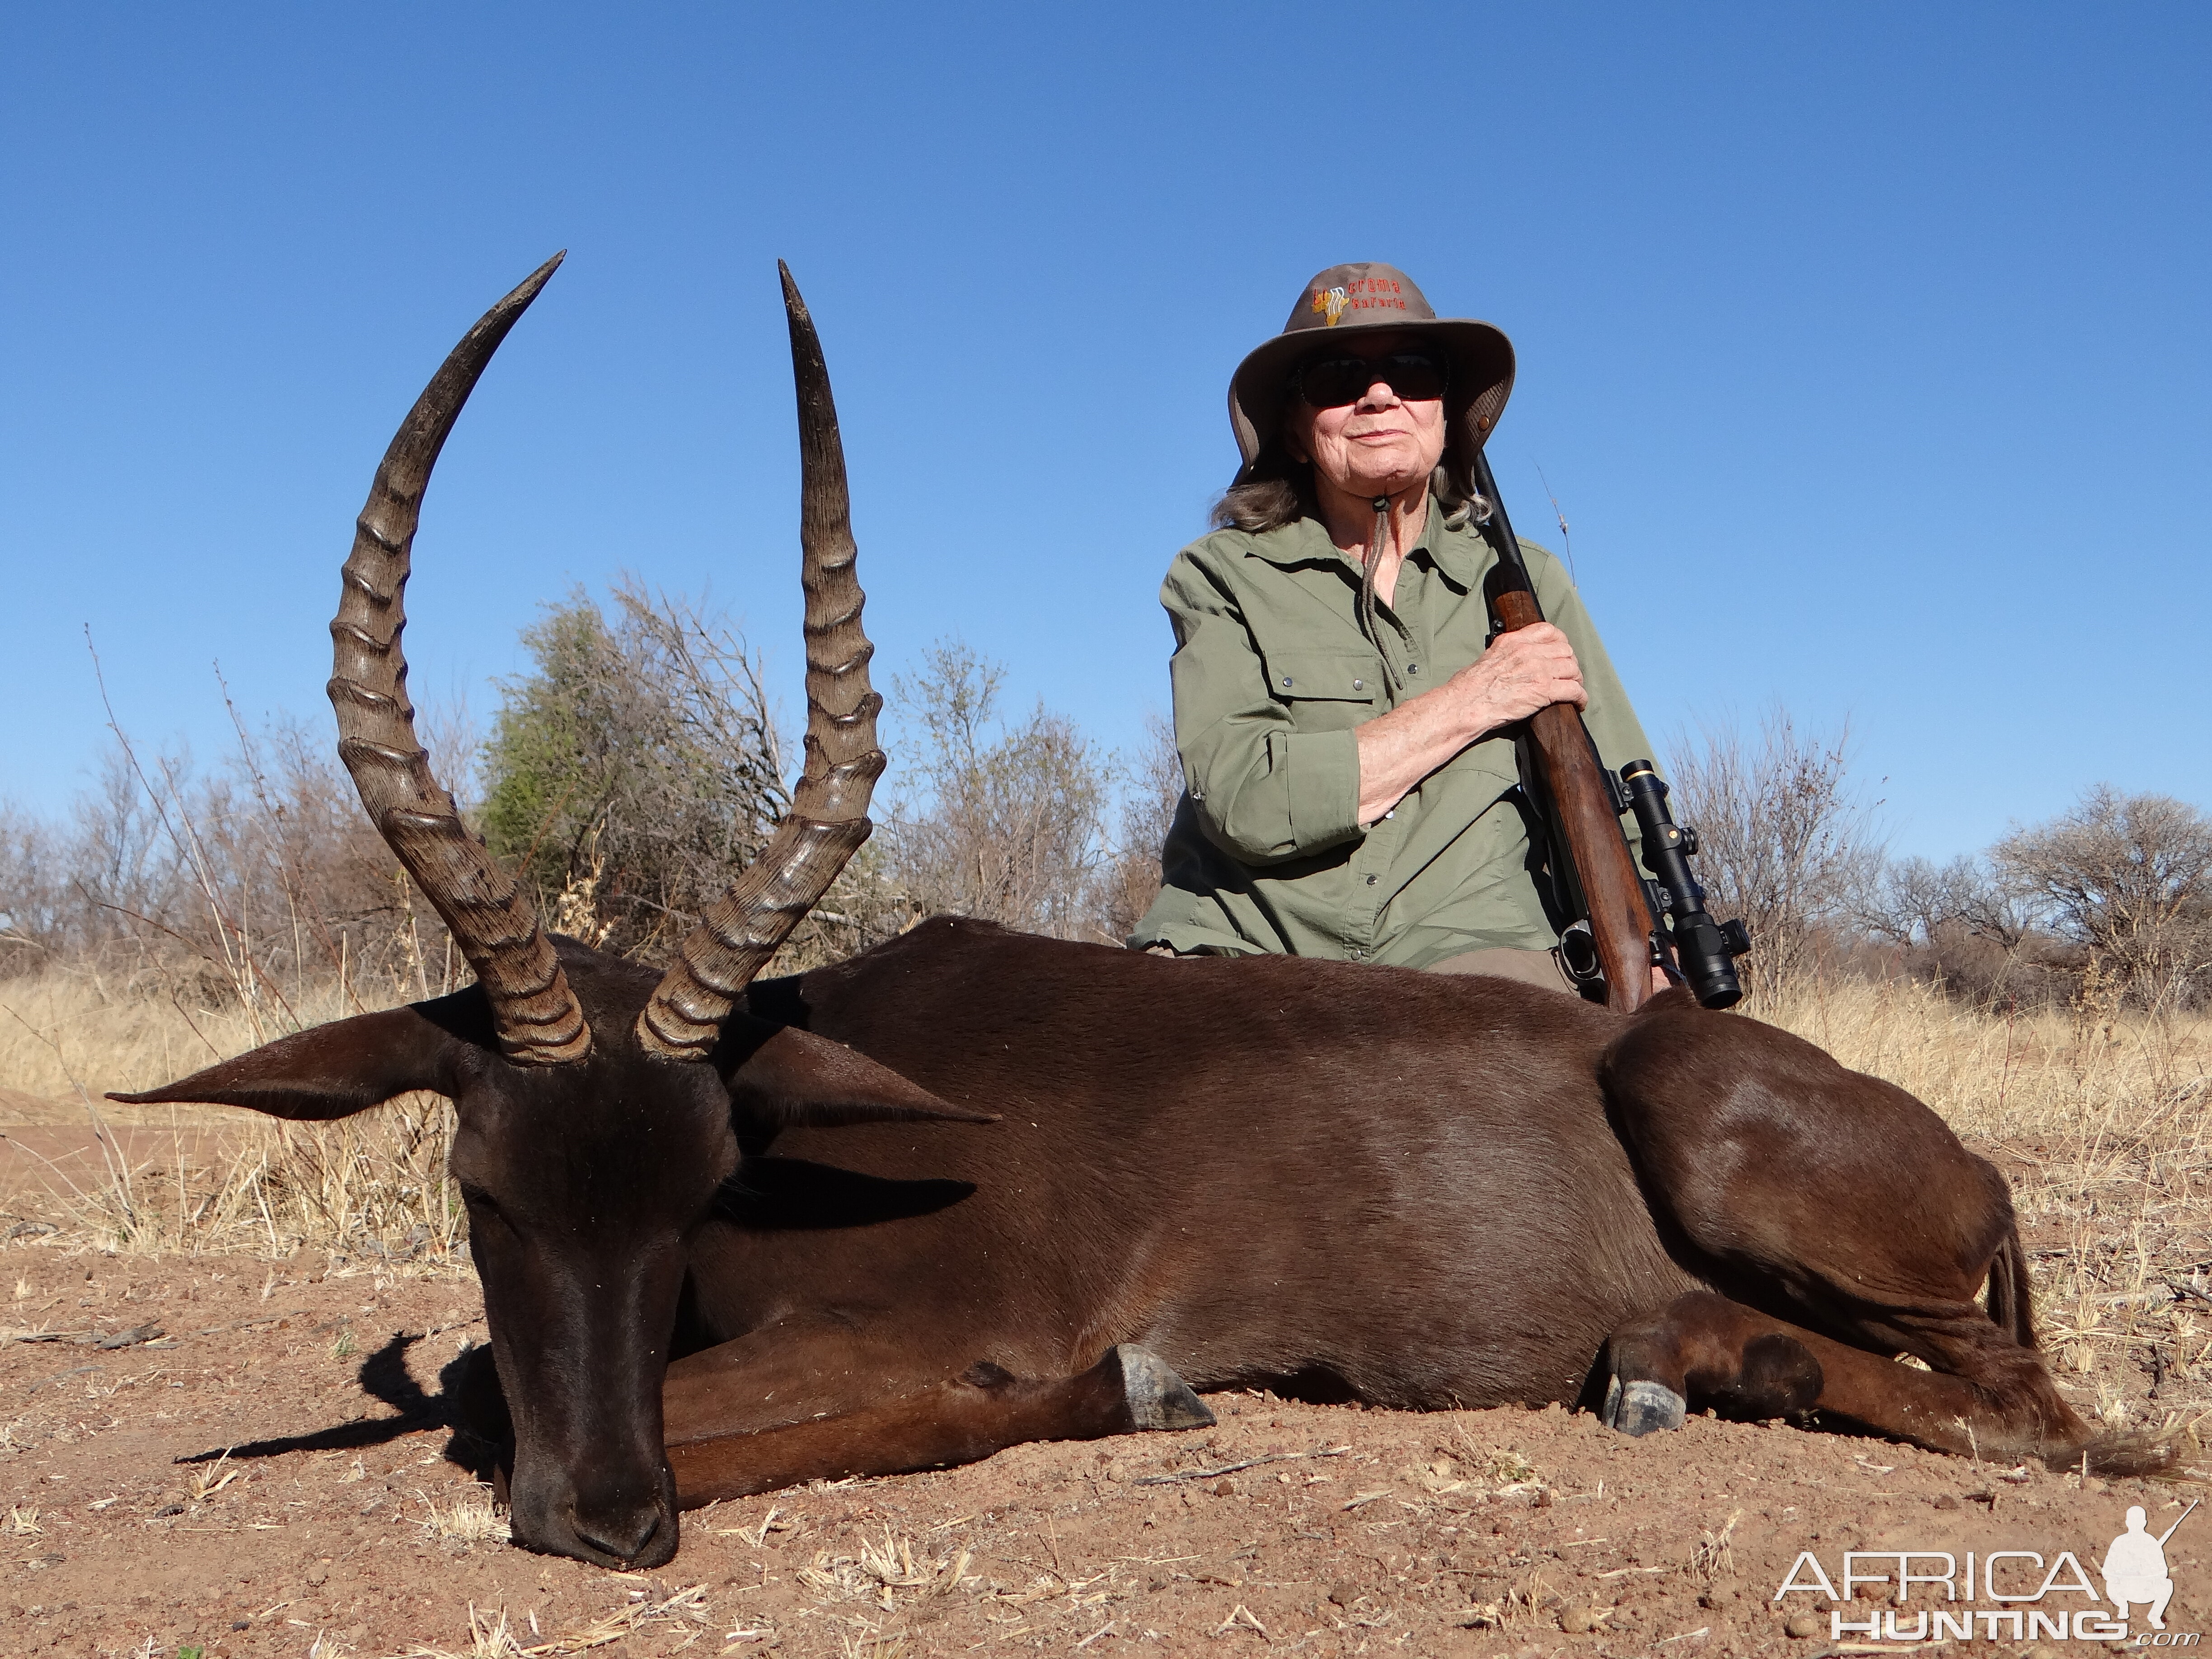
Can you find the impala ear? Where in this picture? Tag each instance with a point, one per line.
(796, 1079)
(343, 1067)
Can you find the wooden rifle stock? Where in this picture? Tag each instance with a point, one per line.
(1581, 805)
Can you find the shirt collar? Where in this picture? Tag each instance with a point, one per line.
(1301, 541)
(1461, 555)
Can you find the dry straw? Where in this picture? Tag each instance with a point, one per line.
(373, 1187)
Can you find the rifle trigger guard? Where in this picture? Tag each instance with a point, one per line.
(1578, 955)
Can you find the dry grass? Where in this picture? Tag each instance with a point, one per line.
(470, 1516)
(664, 1610)
(880, 1567)
(63, 1030)
(1714, 1557)
(861, 1595)
(372, 1189)
(489, 1638)
(374, 1186)
(211, 1478)
(2090, 1079)
(2100, 1118)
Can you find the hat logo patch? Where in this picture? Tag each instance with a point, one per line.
(1360, 293)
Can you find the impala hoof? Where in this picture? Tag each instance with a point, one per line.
(1639, 1408)
(1158, 1398)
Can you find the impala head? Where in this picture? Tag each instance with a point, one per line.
(598, 1103)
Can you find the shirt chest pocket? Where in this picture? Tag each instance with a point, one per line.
(1326, 690)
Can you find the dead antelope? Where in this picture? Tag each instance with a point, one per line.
(973, 1187)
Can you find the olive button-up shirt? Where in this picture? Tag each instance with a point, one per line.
(1271, 675)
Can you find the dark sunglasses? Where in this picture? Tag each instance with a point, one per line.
(1333, 382)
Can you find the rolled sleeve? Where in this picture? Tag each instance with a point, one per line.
(1263, 791)
(1321, 780)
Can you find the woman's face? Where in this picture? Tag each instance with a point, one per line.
(1379, 444)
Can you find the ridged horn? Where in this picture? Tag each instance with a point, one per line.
(536, 1015)
(827, 820)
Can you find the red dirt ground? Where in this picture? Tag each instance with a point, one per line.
(1289, 1527)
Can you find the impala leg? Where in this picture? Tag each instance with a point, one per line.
(983, 1410)
(1827, 1195)
(1695, 1355)
(800, 1400)
(1706, 1352)
(1842, 1202)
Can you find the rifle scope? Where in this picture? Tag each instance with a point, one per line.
(1705, 950)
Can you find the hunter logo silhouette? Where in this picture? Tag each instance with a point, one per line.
(2134, 1568)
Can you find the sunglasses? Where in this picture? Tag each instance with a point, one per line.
(1333, 382)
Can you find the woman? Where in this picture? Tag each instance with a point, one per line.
(1346, 738)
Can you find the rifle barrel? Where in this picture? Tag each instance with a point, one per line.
(2178, 1519)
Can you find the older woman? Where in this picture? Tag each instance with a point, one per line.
(1347, 733)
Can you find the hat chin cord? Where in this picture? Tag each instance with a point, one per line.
(1367, 597)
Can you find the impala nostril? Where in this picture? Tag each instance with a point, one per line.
(623, 1537)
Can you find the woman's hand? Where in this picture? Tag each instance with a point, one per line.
(1517, 674)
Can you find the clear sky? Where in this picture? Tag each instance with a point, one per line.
(1866, 346)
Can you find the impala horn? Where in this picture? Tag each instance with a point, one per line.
(827, 820)
(536, 1015)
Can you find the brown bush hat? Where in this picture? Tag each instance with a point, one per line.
(1356, 298)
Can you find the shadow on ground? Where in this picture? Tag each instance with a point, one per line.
(467, 1403)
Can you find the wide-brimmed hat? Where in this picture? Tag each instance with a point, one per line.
(1356, 299)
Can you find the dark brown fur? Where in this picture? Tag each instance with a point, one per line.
(1347, 1182)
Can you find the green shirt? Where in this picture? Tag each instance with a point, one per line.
(1272, 674)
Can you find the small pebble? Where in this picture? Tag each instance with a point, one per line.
(1575, 1618)
(1803, 1624)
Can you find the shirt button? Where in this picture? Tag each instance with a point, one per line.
(1411, 668)
(1286, 682)
(1360, 685)
(1370, 881)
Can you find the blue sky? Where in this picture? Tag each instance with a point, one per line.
(1865, 347)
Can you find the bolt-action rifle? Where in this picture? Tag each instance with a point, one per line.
(1582, 803)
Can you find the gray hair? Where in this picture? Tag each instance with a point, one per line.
(1277, 490)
